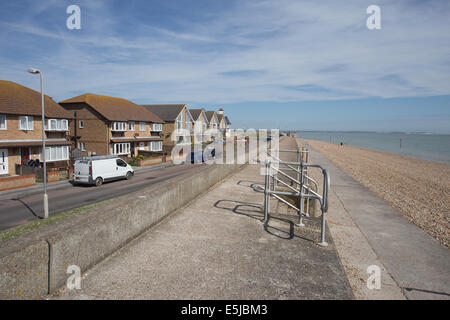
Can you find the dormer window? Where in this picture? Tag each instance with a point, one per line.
(119, 126)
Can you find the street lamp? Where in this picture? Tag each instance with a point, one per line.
(36, 71)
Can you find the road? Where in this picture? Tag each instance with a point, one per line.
(14, 212)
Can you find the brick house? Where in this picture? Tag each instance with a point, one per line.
(175, 117)
(106, 125)
(21, 128)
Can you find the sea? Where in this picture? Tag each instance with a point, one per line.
(427, 146)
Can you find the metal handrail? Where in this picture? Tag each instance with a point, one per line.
(326, 184)
(302, 177)
(306, 176)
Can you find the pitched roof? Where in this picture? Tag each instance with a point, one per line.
(227, 121)
(167, 112)
(196, 113)
(209, 115)
(115, 109)
(17, 99)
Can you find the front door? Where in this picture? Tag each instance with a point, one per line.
(4, 161)
(132, 149)
(24, 155)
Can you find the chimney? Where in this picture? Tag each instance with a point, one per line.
(220, 111)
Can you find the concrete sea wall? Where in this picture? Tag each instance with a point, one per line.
(35, 264)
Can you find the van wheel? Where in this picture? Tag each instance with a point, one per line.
(129, 175)
(98, 182)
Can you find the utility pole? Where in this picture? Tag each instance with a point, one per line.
(36, 71)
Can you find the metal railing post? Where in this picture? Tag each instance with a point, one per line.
(322, 242)
(266, 192)
(324, 206)
(306, 173)
(301, 204)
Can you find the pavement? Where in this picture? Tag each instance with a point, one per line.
(21, 206)
(368, 231)
(218, 248)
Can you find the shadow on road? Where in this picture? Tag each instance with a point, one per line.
(28, 207)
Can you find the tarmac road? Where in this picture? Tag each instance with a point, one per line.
(21, 209)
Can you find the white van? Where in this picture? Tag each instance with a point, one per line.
(97, 169)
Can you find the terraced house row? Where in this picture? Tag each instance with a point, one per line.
(92, 124)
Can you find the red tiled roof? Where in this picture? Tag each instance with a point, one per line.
(115, 109)
(17, 99)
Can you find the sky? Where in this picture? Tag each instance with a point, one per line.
(288, 64)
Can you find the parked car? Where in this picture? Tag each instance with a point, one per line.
(97, 169)
(209, 153)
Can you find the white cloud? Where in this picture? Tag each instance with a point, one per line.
(293, 43)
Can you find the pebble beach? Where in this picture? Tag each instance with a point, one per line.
(419, 189)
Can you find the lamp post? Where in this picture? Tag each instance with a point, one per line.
(36, 71)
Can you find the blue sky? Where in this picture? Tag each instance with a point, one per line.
(308, 65)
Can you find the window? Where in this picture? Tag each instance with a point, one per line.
(2, 122)
(82, 146)
(121, 163)
(121, 148)
(156, 146)
(119, 126)
(179, 122)
(156, 127)
(142, 146)
(81, 124)
(188, 120)
(26, 123)
(58, 153)
(65, 152)
(131, 126)
(57, 125)
(142, 126)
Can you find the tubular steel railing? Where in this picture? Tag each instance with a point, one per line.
(300, 186)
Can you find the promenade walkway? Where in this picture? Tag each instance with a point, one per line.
(367, 231)
(218, 248)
